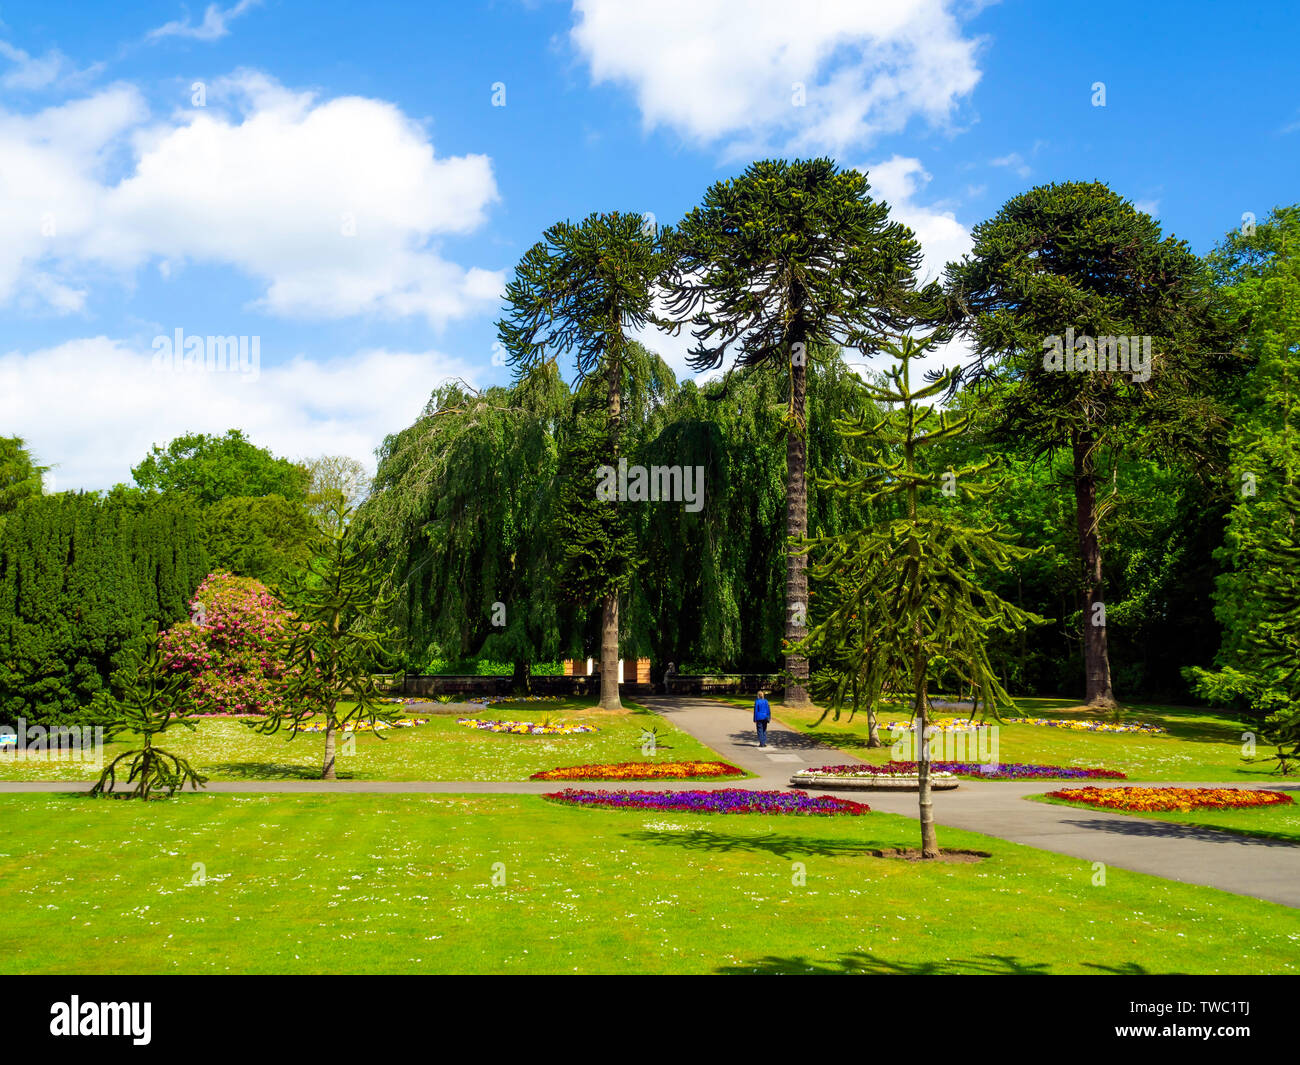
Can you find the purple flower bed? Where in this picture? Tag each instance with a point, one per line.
(1002, 771)
(722, 801)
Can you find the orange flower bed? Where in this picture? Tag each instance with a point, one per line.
(640, 771)
(1164, 799)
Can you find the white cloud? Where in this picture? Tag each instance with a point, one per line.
(333, 205)
(1151, 207)
(1012, 161)
(32, 73)
(898, 180)
(93, 407)
(727, 69)
(213, 27)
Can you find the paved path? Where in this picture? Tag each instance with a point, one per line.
(1245, 865)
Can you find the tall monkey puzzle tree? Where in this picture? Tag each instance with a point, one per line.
(1070, 265)
(778, 262)
(581, 289)
(907, 585)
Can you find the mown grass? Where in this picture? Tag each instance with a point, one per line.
(1200, 744)
(226, 749)
(405, 883)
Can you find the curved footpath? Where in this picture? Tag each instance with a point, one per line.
(1246, 865)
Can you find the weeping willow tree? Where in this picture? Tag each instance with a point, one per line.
(463, 510)
(582, 290)
(713, 580)
(905, 591)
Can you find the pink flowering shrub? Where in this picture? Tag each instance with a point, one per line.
(231, 646)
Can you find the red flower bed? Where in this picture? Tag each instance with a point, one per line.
(1167, 799)
(640, 771)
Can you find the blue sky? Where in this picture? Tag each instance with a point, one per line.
(348, 194)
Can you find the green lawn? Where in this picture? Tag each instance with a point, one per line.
(403, 883)
(1200, 745)
(1271, 822)
(441, 750)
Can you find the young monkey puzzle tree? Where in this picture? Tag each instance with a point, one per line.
(906, 585)
(581, 288)
(152, 700)
(784, 260)
(335, 645)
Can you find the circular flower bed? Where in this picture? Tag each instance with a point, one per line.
(722, 801)
(984, 771)
(640, 771)
(525, 728)
(1168, 799)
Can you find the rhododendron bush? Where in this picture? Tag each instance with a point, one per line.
(232, 647)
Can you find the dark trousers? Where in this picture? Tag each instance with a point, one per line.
(762, 732)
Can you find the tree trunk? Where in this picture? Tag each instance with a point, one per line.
(796, 525)
(921, 721)
(1096, 657)
(328, 773)
(609, 698)
(523, 677)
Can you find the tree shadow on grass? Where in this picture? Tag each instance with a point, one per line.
(873, 965)
(267, 771)
(783, 846)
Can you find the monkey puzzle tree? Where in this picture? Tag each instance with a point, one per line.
(153, 698)
(1075, 266)
(771, 267)
(336, 643)
(906, 595)
(581, 289)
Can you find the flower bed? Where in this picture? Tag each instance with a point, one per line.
(722, 801)
(640, 771)
(525, 728)
(984, 771)
(966, 725)
(1088, 726)
(366, 726)
(954, 725)
(1169, 799)
(492, 700)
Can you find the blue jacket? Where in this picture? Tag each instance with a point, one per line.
(762, 712)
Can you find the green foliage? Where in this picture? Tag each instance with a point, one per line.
(20, 477)
(904, 606)
(152, 699)
(80, 578)
(337, 643)
(789, 253)
(210, 468)
(462, 512)
(1260, 275)
(266, 537)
